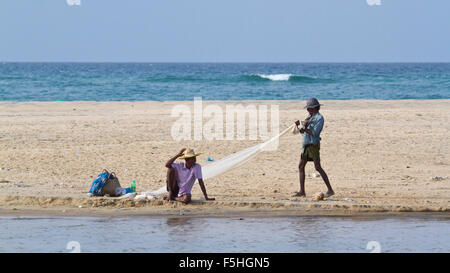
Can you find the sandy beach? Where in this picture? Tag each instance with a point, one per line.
(381, 157)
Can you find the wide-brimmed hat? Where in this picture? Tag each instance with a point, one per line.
(312, 103)
(188, 153)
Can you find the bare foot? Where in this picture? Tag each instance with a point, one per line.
(167, 198)
(329, 193)
(299, 194)
(183, 199)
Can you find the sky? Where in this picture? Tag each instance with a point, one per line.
(225, 31)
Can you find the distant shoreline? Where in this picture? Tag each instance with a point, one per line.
(131, 208)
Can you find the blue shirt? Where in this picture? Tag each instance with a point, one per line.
(315, 124)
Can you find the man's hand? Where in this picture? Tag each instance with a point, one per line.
(169, 163)
(305, 123)
(181, 152)
(202, 186)
(297, 123)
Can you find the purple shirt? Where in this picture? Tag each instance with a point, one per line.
(186, 177)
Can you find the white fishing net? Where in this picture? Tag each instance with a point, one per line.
(229, 162)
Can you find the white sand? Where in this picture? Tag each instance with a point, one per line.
(379, 156)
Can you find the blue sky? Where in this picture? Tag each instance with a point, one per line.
(225, 31)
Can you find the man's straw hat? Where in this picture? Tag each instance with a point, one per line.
(188, 153)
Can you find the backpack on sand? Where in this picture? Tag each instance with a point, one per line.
(106, 183)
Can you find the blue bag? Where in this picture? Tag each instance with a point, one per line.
(99, 183)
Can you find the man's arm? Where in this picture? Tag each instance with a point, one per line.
(309, 132)
(297, 123)
(316, 128)
(169, 163)
(202, 186)
(303, 129)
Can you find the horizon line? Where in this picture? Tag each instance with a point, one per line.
(236, 62)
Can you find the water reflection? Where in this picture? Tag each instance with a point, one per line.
(183, 229)
(187, 234)
(178, 221)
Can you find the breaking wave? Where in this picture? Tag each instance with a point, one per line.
(285, 77)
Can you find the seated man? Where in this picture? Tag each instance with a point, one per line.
(181, 177)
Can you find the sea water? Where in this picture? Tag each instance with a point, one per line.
(210, 234)
(222, 81)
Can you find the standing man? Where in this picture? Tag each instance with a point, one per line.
(182, 175)
(311, 129)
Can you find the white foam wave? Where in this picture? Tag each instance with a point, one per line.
(275, 77)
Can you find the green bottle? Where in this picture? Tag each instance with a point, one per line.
(133, 186)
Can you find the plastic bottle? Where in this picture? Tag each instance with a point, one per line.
(133, 186)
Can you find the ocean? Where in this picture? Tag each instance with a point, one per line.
(222, 81)
(224, 234)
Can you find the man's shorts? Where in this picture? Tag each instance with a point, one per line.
(176, 190)
(312, 152)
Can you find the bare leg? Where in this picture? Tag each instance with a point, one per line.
(301, 168)
(324, 176)
(171, 184)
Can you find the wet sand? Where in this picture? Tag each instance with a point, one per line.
(380, 156)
